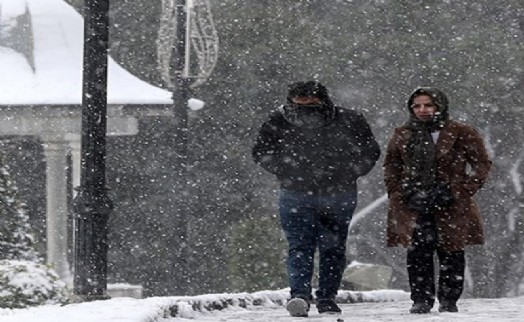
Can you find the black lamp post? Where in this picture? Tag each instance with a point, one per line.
(92, 205)
(180, 111)
(181, 83)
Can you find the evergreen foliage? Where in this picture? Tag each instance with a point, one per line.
(23, 280)
(26, 283)
(259, 271)
(16, 240)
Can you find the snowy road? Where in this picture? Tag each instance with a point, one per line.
(473, 310)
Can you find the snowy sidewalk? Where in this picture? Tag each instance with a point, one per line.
(490, 310)
(261, 307)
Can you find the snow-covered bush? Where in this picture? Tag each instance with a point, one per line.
(23, 280)
(25, 283)
(16, 240)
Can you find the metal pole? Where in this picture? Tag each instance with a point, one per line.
(180, 98)
(92, 205)
(181, 90)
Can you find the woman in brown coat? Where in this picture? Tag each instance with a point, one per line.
(433, 167)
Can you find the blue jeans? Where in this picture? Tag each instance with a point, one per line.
(310, 221)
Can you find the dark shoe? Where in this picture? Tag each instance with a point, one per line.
(420, 308)
(298, 307)
(448, 306)
(328, 306)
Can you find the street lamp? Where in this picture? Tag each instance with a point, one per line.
(181, 94)
(186, 27)
(92, 205)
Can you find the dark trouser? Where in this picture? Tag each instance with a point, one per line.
(310, 221)
(421, 267)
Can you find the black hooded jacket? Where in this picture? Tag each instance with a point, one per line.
(326, 159)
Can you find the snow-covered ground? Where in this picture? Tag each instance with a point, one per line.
(262, 307)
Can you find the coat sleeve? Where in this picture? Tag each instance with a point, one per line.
(370, 148)
(393, 166)
(266, 151)
(477, 157)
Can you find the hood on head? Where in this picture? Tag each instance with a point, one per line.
(437, 96)
(309, 88)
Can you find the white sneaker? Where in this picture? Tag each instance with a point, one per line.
(297, 307)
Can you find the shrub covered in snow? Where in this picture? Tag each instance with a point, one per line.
(16, 240)
(25, 283)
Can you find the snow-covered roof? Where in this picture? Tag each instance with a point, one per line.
(41, 57)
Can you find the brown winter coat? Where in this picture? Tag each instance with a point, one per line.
(458, 145)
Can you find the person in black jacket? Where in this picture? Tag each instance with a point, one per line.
(317, 151)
